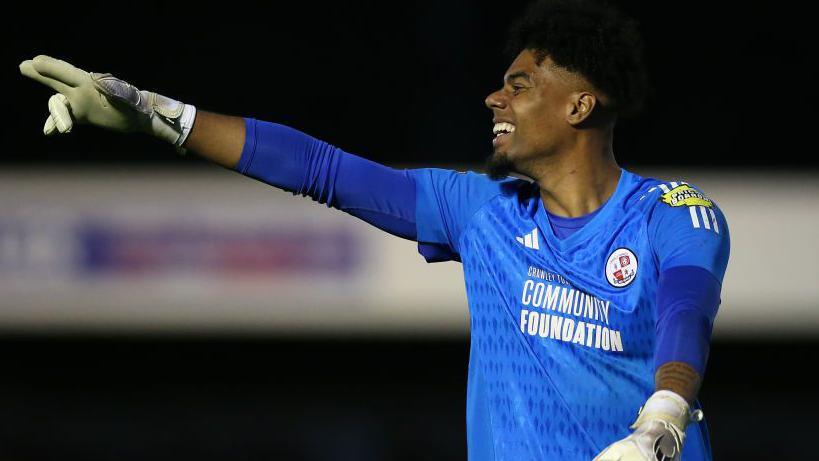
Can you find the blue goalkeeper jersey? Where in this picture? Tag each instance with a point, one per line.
(563, 330)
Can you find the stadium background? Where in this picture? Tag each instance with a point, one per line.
(304, 334)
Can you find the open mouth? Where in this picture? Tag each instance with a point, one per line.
(502, 130)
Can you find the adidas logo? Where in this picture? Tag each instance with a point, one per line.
(529, 240)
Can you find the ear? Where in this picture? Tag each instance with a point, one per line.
(580, 107)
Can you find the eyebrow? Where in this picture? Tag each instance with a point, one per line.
(517, 75)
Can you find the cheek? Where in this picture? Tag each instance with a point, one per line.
(539, 125)
(539, 129)
(538, 115)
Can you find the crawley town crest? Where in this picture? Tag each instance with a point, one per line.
(621, 267)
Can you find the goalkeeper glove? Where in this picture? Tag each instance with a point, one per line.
(108, 102)
(659, 431)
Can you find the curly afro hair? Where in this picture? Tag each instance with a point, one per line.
(590, 38)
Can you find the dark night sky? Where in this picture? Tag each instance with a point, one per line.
(404, 82)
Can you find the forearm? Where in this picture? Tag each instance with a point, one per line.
(218, 138)
(296, 162)
(687, 302)
(678, 377)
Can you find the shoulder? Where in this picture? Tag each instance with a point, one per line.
(681, 210)
(468, 189)
(448, 178)
(447, 200)
(685, 227)
(661, 197)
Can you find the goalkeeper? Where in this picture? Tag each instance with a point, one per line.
(592, 290)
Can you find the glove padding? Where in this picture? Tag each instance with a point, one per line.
(658, 434)
(106, 101)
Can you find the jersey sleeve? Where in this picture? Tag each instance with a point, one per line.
(690, 239)
(296, 162)
(429, 205)
(686, 228)
(446, 200)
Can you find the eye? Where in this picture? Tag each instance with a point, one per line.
(516, 89)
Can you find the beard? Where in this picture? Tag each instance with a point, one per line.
(498, 166)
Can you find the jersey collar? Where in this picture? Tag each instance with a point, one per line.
(592, 226)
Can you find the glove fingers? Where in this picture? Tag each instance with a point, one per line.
(59, 109)
(59, 70)
(27, 69)
(50, 127)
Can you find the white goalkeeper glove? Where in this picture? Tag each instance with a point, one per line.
(108, 102)
(659, 431)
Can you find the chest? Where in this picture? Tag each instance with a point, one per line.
(514, 267)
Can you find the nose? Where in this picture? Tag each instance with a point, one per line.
(496, 100)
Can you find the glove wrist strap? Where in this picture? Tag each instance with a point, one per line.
(171, 121)
(186, 124)
(665, 406)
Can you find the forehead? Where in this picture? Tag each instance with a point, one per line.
(525, 61)
(526, 64)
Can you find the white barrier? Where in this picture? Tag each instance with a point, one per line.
(207, 250)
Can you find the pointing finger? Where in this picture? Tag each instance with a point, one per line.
(27, 69)
(59, 70)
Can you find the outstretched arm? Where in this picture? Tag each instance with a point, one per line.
(293, 161)
(218, 138)
(275, 154)
(288, 159)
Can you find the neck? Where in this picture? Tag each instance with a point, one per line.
(578, 181)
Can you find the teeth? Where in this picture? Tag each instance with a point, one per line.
(503, 127)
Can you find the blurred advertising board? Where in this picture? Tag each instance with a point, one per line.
(205, 250)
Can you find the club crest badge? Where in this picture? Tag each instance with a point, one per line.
(621, 267)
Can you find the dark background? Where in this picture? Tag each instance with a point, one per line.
(404, 82)
(104, 398)
(400, 83)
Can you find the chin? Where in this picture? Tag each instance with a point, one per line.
(499, 166)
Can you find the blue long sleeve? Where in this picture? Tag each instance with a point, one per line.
(291, 160)
(687, 301)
